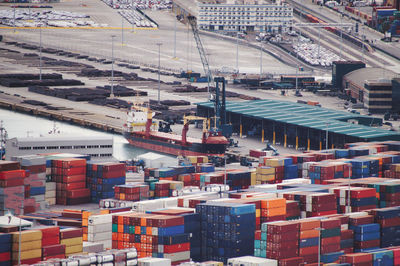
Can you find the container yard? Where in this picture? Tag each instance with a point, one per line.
(336, 207)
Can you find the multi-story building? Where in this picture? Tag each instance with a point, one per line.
(245, 17)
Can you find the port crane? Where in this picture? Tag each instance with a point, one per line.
(206, 67)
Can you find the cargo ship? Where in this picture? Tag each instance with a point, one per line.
(139, 133)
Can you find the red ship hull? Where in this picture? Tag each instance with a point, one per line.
(164, 149)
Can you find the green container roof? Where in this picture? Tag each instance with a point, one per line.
(310, 117)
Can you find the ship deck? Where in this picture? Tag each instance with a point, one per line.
(169, 136)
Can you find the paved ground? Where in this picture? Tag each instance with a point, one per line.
(140, 45)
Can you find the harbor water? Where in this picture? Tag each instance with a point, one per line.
(23, 125)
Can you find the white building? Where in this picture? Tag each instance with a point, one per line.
(98, 148)
(245, 17)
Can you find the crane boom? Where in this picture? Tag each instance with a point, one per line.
(193, 23)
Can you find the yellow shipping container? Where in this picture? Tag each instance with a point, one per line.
(274, 162)
(265, 177)
(29, 254)
(27, 245)
(258, 212)
(212, 263)
(29, 235)
(71, 241)
(266, 170)
(253, 178)
(192, 159)
(73, 249)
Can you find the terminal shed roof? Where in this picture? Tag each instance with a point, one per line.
(309, 117)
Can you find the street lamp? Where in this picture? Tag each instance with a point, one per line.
(40, 53)
(112, 65)
(159, 50)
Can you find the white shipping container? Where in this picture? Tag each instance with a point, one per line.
(132, 262)
(100, 219)
(50, 194)
(91, 247)
(154, 262)
(100, 236)
(50, 186)
(39, 197)
(98, 228)
(178, 256)
(51, 201)
(251, 261)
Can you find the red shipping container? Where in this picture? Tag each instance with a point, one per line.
(283, 245)
(9, 166)
(330, 223)
(13, 174)
(176, 248)
(356, 258)
(51, 240)
(114, 174)
(35, 169)
(367, 244)
(308, 251)
(76, 201)
(70, 233)
(72, 171)
(281, 254)
(5, 256)
(283, 227)
(79, 193)
(28, 261)
(53, 250)
(59, 256)
(309, 260)
(330, 248)
(72, 178)
(291, 261)
(367, 219)
(330, 240)
(71, 186)
(389, 222)
(167, 221)
(16, 182)
(359, 193)
(346, 234)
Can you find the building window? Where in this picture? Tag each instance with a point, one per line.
(39, 148)
(25, 148)
(65, 147)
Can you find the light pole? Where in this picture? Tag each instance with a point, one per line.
(122, 30)
(159, 50)
(112, 65)
(237, 52)
(175, 34)
(40, 53)
(14, 16)
(261, 62)
(326, 138)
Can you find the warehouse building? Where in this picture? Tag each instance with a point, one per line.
(341, 68)
(299, 125)
(375, 87)
(99, 148)
(244, 16)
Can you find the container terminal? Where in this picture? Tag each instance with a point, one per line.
(305, 118)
